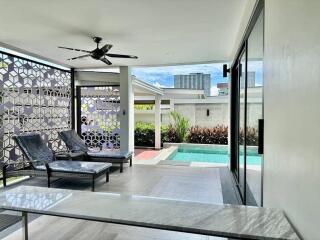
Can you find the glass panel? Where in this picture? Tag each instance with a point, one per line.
(254, 112)
(242, 85)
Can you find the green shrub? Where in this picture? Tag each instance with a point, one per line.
(143, 106)
(144, 134)
(179, 128)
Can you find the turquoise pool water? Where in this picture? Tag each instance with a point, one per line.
(214, 155)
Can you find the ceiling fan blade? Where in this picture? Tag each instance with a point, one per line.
(106, 48)
(75, 49)
(120, 55)
(83, 56)
(106, 61)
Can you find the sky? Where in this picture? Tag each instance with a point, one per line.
(163, 76)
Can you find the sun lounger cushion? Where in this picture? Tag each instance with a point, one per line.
(76, 167)
(73, 141)
(34, 148)
(110, 154)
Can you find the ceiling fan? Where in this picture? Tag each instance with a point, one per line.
(99, 53)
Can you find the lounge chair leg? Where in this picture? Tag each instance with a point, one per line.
(49, 181)
(92, 184)
(48, 173)
(4, 181)
(121, 167)
(130, 161)
(107, 176)
(4, 175)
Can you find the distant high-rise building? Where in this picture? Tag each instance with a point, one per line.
(199, 81)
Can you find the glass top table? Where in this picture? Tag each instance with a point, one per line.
(231, 221)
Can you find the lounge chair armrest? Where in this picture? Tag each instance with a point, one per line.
(61, 152)
(34, 161)
(77, 151)
(8, 163)
(62, 155)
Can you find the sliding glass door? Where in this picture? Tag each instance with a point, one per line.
(254, 119)
(247, 113)
(241, 159)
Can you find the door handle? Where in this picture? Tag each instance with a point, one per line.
(260, 136)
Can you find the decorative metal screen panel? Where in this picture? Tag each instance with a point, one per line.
(98, 119)
(33, 98)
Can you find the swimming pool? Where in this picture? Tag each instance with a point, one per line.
(214, 154)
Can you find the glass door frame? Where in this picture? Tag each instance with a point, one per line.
(235, 104)
(236, 70)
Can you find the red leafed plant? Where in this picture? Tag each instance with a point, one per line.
(252, 136)
(206, 135)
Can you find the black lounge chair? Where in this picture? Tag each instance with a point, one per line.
(75, 143)
(41, 162)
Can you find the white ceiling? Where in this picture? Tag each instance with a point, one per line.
(159, 32)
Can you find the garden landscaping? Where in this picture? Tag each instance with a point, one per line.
(179, 131)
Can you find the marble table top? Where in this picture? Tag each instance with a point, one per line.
(231, 221)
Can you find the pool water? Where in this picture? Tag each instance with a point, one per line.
(211, 156)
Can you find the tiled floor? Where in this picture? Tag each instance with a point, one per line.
(178, 182)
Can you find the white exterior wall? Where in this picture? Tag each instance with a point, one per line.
(197, 114)
(144, 116)
(218, 114)
(188, 111)
(292, 112)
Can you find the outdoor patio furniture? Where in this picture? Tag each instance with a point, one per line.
(75, 143)
(41, 162)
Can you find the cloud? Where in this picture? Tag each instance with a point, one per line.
(157, 84)
(214, 91)
(164, 75)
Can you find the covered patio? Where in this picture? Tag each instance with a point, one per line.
(67, 122)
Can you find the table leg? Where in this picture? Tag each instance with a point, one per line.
(107, 176)
(25, 226)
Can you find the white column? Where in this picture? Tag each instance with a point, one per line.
(126, 110)
(171, 105)
(157, 122)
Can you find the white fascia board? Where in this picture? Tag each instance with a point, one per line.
(139, 97)
(148, 88)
